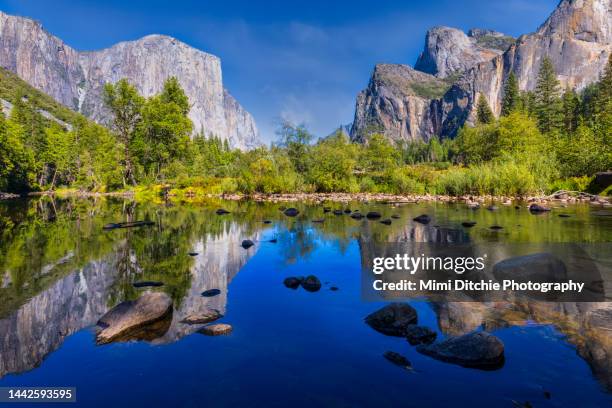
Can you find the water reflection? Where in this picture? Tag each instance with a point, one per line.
(60, 272)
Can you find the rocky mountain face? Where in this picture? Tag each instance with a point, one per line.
(399, 102)
(450, 51)
(576, 37)
(77, 79)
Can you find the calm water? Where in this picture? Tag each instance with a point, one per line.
(60, 272)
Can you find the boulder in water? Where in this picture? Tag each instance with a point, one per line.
(537, 209)
(393, 319)
(338, 212)
(211, 292)
(247, 243)
(222, 211)
(311, 283)
(468, 224)
(540, 267)
(356, 215)
(373, 215)
(293, 282)
(420, 335)
(422, 219)
(203, 318)
(291, 212)
(131, 318)
(476, 350)
(386, 221)
(216, 329)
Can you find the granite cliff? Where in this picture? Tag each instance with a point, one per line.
(576, 37)
(76, 79)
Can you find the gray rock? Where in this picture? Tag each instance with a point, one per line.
(540, 267)
(77, 79)
(293, 282)
(128, 319)
(218, 329)
(475, 350)
(449, 51)
(536, 208)
(393, 319)
(203, 318)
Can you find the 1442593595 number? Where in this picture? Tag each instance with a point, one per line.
(33, 394)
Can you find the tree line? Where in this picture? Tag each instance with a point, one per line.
(544, 139)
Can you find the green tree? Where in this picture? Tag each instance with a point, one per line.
(571, 110)
(547, 102)
(125, 105)
(484, 114)
(296, 139)
(511, 99)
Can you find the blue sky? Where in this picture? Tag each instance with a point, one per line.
(301, 60)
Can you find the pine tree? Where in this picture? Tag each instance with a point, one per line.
(483, 111)
(547, 102)
(511, 98)
(571, 110)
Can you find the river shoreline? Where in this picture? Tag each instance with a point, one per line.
(558, 198)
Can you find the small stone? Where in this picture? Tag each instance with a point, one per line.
(536, 209)
(333, 288)
(326, 209)
(247, 243)
(273, 241)
(564, 215)
(496, 227)
(356, 216)
(267, 222)
(216, 329)
(211, 292)
(319, 220)
(397, 359)
(393, 319)
(222, 211)
(468, 224)
(347, 211)
(395, 217)
(492, 208)
(373, 215)
(338, 212)
(386, 221)
(202, 318)
(422, 219)
(293, 282)
(193, 254)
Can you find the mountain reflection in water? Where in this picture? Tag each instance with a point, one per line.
(60, 272)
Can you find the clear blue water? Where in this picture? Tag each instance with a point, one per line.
(288, 347)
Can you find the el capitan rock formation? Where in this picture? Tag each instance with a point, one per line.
(76, 79)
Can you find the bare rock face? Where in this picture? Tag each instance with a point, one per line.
(450, 51)
(576, 37)
(400, 103)
(77, 79)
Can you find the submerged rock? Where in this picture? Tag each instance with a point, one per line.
(202, 318)
(291, 212)
(132, 224)
(193, 254)
(222, 211)
(420, 335)
(273, 241)
(144, 284)
(216, 329)
(326, 209)
(540, 267)
(247, 243)
(333, 288)
(211, 292)
(422, 219)
(536, 208)
(356, 216)
(492, 208)
(393, 319)
(475, 350)
(129, 319)
(373, 215)
(564, 215)
(319, 220)
(468, 224)
(293, 282)
(267, 222)
(397, 359)
(338, 212)
(395, 216)
(496, 227)
(347, 211)
(386, 221)
(311, 283)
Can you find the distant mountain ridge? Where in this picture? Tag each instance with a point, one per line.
(76, 79)
(576, 37)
